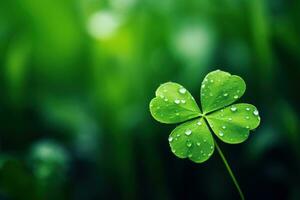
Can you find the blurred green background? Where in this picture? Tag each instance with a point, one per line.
(76, 78)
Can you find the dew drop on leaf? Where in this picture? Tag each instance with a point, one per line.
(199, 123)
(177, 101)
(225, 94)
(182, 90)
(198, 143)
(223, 127)
(170, 139)
(188, 132)
(247, 117)
(188, 144)
(235, 96)
(221, 133)
(183, 101)
(233, 109)
(255, 112)
(247, 109)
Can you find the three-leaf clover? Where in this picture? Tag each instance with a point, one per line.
(230, 122)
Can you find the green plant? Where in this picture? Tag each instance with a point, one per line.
(230, 123)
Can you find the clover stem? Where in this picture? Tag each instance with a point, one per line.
(230, 171)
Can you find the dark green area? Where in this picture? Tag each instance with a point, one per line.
(76, 79)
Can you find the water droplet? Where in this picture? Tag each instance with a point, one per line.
(177, 114)
(188, 132)
(199, 123)
(190, 155)
(235, 96)
(188, 144)
(247, 117)
(178, 135)
(183, 101)
(204, 140)
(162, 96)
(203, 86)
(230, 119)
(247, 109)
(170, 139)
(225, 94)
(255, 112)
(238, 91)
(233, 109)
(177, 101)
(222, 110)
(221, 133)
(158, 107)
(173, 150)
(182, 90)
(223, 127)
(211, 147)
(211, 80)
(247, 127)
(210, 94)
(198, 143)
(166, 99)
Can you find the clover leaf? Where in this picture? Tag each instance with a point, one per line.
(230, 122)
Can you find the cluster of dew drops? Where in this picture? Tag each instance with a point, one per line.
(181, 90)
(225, 94)
(189, 144)
(177, 101)
(235, 109)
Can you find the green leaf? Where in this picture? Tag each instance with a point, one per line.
(173, 104)
(233, 123)
(192, 139)
(220, 89)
